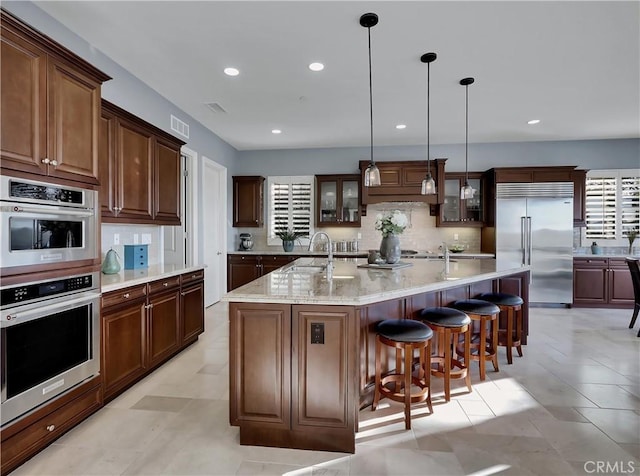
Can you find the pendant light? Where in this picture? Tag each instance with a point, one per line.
(466, 192)
(428, 184)
(372, 173)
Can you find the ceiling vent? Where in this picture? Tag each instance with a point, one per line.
(215, 107)
(179, 126)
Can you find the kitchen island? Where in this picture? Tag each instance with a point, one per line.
(301, 345)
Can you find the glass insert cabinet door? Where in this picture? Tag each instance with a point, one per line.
(457, 212)
(338, 200)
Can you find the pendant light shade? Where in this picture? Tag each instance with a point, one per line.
(428, 184)
(466, 192)
(372, 173)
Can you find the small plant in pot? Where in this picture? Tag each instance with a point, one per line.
(289, 237)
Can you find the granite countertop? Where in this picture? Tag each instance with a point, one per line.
(132, 277)
(356, 286)
(356, 254)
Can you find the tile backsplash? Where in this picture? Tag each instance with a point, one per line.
(132, 235)
(421, 234)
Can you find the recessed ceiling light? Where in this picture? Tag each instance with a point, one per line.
(276, 131)
(401, 126)
(316, 66)
(231, 72)
(533, 121)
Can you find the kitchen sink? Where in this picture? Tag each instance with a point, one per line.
(306, 268)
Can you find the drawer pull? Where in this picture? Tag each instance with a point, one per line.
(165, 284)
(194, 276)
(126, 295)
(51, 427)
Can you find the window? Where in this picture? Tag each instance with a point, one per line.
(290, 206)
(612, 204)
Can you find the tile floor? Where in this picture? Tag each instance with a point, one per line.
(571, 405)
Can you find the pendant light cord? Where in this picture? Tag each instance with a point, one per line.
(370, 95)
(466, 137)
(428, 120)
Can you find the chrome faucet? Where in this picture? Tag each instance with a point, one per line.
(446, 254)
(329, 250)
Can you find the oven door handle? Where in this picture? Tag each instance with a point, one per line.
(17, 316)
(47, 211)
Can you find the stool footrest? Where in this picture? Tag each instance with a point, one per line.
(416, 397)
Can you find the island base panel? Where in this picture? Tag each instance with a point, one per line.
(318, 439)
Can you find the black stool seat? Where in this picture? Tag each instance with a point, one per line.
(404, 330)
(502, 299)
(444, 316)
(476, 306)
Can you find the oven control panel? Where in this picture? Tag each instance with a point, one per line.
(33, 291)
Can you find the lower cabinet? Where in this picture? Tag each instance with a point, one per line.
(144, 325)
(242, 269)
(602, 282)
(26, 437)
(192, 310)
(124, 330)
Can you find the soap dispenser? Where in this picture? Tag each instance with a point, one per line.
(111, 265)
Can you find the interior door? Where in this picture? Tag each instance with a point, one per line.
(214, 196)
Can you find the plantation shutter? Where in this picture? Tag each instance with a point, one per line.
(630, 203)
(601, 207)
(290, 205)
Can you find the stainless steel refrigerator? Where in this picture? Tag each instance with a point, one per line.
(534, 226)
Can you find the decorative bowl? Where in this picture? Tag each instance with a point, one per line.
(456, 248)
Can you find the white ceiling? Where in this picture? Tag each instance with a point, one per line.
(574, 65)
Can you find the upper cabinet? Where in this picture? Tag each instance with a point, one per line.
(457, 212)
(402, 182)
(50, 106)
(338, 200)
(248, 202)
(140, 170)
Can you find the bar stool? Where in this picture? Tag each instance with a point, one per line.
(405, 335)
(449, 324)
(484, 313)
(511, 336)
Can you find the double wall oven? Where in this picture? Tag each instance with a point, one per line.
(49, 322)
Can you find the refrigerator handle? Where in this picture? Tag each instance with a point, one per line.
(529, 240)
(523, 244)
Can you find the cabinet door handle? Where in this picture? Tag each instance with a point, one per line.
(54, 163)
(45, 161)
(126, 295)
(51, 427)
(148, 306)
(183, 294)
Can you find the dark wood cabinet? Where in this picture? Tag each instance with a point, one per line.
(192, 306)
(163, 319)
(338, 200)
(50, 106)
(141, 165)
(26, 437)
(144, 325)
(242, 269)
(579, 197)
(301, 410)
(457, 212)
(402, 182)
(124, 329)
(602, 282)
(248, 201)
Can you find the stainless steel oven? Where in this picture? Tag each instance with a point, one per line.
(49, 340)
(46, 223)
